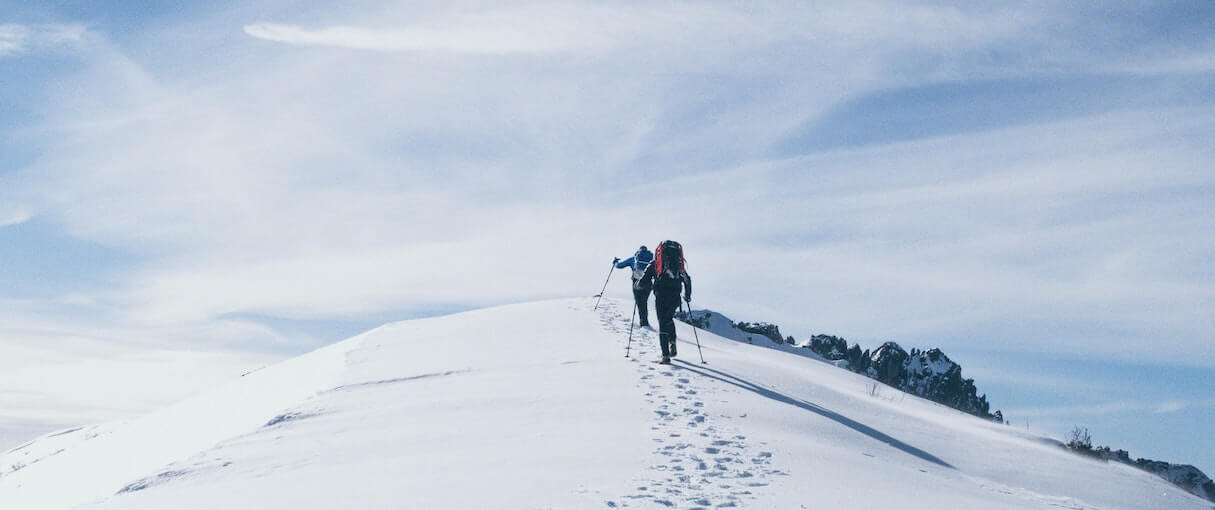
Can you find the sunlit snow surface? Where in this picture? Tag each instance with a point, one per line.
(535, 406)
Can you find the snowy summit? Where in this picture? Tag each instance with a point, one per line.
(536, 406)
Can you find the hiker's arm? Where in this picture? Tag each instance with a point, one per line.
(687, 287)
(624, 263)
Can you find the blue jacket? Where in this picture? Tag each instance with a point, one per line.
(639, 261)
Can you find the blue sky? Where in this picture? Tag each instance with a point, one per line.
(216, 186)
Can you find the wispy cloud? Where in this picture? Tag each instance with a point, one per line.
(1099, 409)
(662, 30)
(18, 39)
(12, 39)
(1170, 62)
(1171, 406)
(1109, 408)
(985, 374)
(15, 217)
(501, 40)
(522, 28)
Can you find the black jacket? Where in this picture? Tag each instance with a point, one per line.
(666, 285)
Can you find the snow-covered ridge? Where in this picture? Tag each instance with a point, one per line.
(929, 374)
(536, 406)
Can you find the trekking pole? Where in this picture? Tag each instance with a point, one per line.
(631, 317)
(605, 282)
(688, 314)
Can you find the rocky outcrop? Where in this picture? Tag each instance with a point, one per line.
(929, 374)
(932, 375)
(833, 348)
(888, 364)
(771, 331)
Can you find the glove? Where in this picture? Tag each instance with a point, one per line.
(687, 299)
(615, 260)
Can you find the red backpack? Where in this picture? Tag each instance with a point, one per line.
(669, 263)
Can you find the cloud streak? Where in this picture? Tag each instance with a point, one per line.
(526, 29)
(18, 39)
(1108, 408)
(16, 217)
(470, 40)
(12, 39)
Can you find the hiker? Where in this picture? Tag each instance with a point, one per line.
(640, 261)
(668, 274)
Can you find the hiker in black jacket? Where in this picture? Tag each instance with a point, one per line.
(668, 275)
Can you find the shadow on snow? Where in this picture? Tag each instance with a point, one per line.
(816, 409)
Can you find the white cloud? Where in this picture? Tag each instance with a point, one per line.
(1170, 406)
(12, 39)
(1170, 62)
(1108, 408)
(491, 41)
(985, 374)
(14, 217)
(1101, 409)
(17, 39)
(522, 28)
(666, 31)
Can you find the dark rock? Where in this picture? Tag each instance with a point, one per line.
(888, 363)
(932, 375)
(697, 318)
(829, 347)
(770, 331)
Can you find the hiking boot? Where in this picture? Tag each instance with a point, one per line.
(665, 361)
(645, 324)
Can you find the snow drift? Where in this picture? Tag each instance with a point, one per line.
(535, 406)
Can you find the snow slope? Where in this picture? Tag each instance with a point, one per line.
(535, 406)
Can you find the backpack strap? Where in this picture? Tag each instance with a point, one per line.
(658, 258)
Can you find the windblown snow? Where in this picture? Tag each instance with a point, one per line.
(536, 406)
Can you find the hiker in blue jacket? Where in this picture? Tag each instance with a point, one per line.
(640, 261)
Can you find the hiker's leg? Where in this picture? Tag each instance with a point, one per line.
(665, 304)
(642, 297)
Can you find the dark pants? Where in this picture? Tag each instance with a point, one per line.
(665, 304)
(642, 298)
